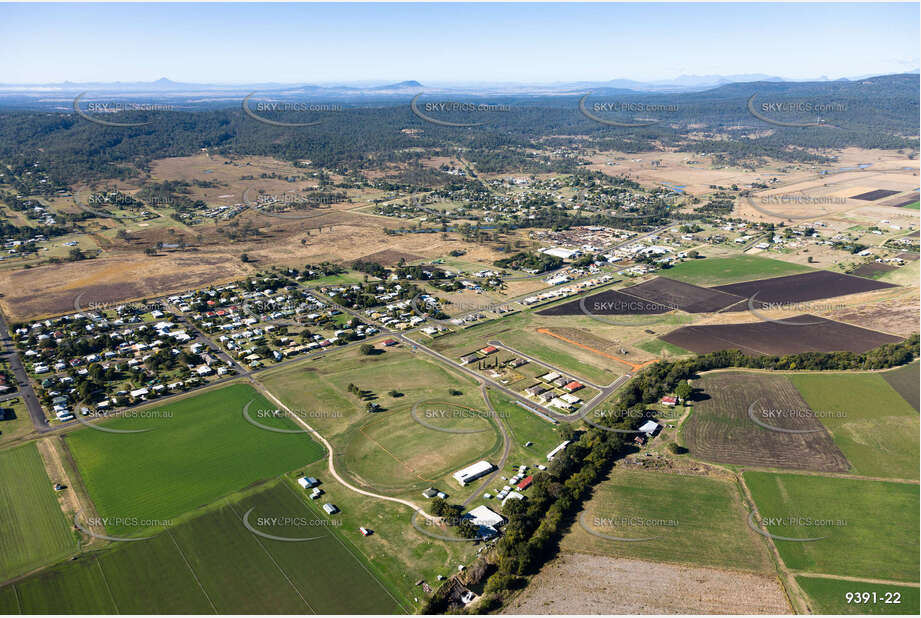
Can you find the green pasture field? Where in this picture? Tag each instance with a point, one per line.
(828, 597)
(708, 521)
(855, 517)
(202, 450)
(213, 564)
(722, 271)
(33, 530)
(875, 428)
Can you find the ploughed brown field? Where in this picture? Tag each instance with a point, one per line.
(609, 302)
(658, 295)
(802, 333)
(905, 200)
(803, 287)
(871, 269)
(685, 296)
(721, 428)
(876, 194)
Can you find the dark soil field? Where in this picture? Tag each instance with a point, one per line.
(609, 302)
(659, 295)
(803, 333)
(872, 270)
(720, 428)
(905, 381)
(687, 297)
(870, 196)
(905, 200)
(803, 287)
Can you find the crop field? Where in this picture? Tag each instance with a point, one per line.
(33, 530)
(804, 287)
(720, 271)
(721, 430)
(694, 520)
(199, 449)
(212, 563)
(851, 518)
(870, 422)
(905, 381)
(828, 597)
(801, 333)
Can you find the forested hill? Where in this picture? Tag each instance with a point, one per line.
(878, 112)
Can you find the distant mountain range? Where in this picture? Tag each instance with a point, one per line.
(683, 83)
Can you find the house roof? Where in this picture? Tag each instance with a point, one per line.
(485, 516)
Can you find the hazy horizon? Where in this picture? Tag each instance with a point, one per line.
(540, 43)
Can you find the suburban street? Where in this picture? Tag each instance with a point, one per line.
(22, 379)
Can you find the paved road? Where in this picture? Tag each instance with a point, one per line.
(22, 379)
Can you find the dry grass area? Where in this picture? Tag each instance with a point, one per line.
(586, 584)
(680, 168)
(54, 289)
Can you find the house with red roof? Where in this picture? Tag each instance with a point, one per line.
(572, 386)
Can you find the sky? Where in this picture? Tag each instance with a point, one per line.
(451, 43)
